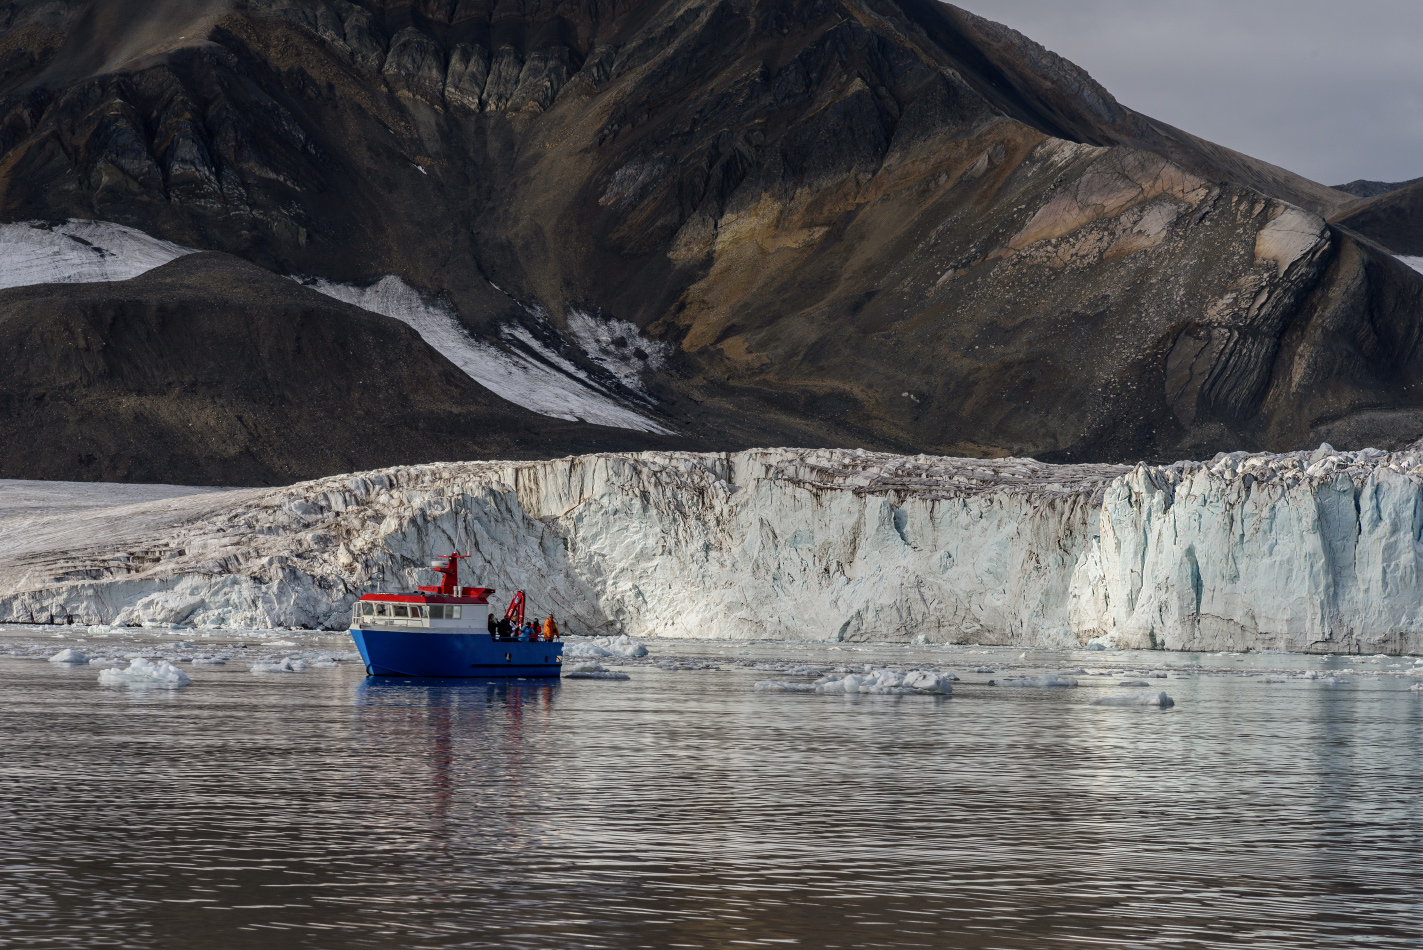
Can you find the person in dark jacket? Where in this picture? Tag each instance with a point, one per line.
(506, 629)
(493, 627)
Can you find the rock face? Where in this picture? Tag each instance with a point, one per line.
(1302, 552)
(881, 223)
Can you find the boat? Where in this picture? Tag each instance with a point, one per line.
(442, 631)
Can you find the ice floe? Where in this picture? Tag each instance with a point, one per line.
(529, 375)
(779, 686)
(1144, 698)
(70, 656)
(1045, 681)
(290, 664)
(619, 646)
(673, 665)
(141, 672)
(76, 252)
(887, 682)
(592, 671)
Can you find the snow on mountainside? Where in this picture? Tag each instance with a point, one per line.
(77, 252)
(553, 387)
(1303, 551)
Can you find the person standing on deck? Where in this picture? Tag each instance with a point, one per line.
(550, 628)
(493, 627)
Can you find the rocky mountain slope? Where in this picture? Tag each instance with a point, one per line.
(1304, 551)
(210, 370)
(1393, 218)
(1363, 188)
(880, 223)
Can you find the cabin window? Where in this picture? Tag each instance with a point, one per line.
(419, 611)
(382, 610)
(437, 612)
(457, 612)
(401, 610)
(368, 609)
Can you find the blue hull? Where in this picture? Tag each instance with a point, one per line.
(419, 653)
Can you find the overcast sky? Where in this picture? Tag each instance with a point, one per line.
(1332, 89)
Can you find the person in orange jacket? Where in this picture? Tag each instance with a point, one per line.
(550, 628)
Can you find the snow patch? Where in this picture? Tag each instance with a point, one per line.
(618, 346)
(78, 252)
(1414, 262)
(553, 387)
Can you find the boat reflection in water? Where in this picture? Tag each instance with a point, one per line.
(455, 739)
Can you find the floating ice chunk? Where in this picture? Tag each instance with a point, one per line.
(984, 669)
(623, 646)
(673, 666)
(141, 672)
(1046, 681)
(592, 671)
(925, 681)
(886, 682)
(1077, 672)
(325, 662)
(1144, 698)
(289, 665)
(70, 656)
(776, 686)
(1416, 688)
(1136, 683)
(789, 669)
(209, 660)
(1095, 645)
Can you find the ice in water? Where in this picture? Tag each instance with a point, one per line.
(141, 672)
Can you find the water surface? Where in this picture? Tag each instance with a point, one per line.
(683, 809)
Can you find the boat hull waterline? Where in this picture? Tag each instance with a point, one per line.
(418, 653)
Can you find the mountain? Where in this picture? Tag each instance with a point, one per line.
(1362, 188)
(1393, 218)
(879, 223)
(210, 370)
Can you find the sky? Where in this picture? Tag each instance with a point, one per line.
(1331, 89)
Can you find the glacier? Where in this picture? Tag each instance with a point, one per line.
(1307, 551)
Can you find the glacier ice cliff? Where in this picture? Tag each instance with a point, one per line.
(1302, 551)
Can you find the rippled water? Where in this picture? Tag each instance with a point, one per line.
(682, 809)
